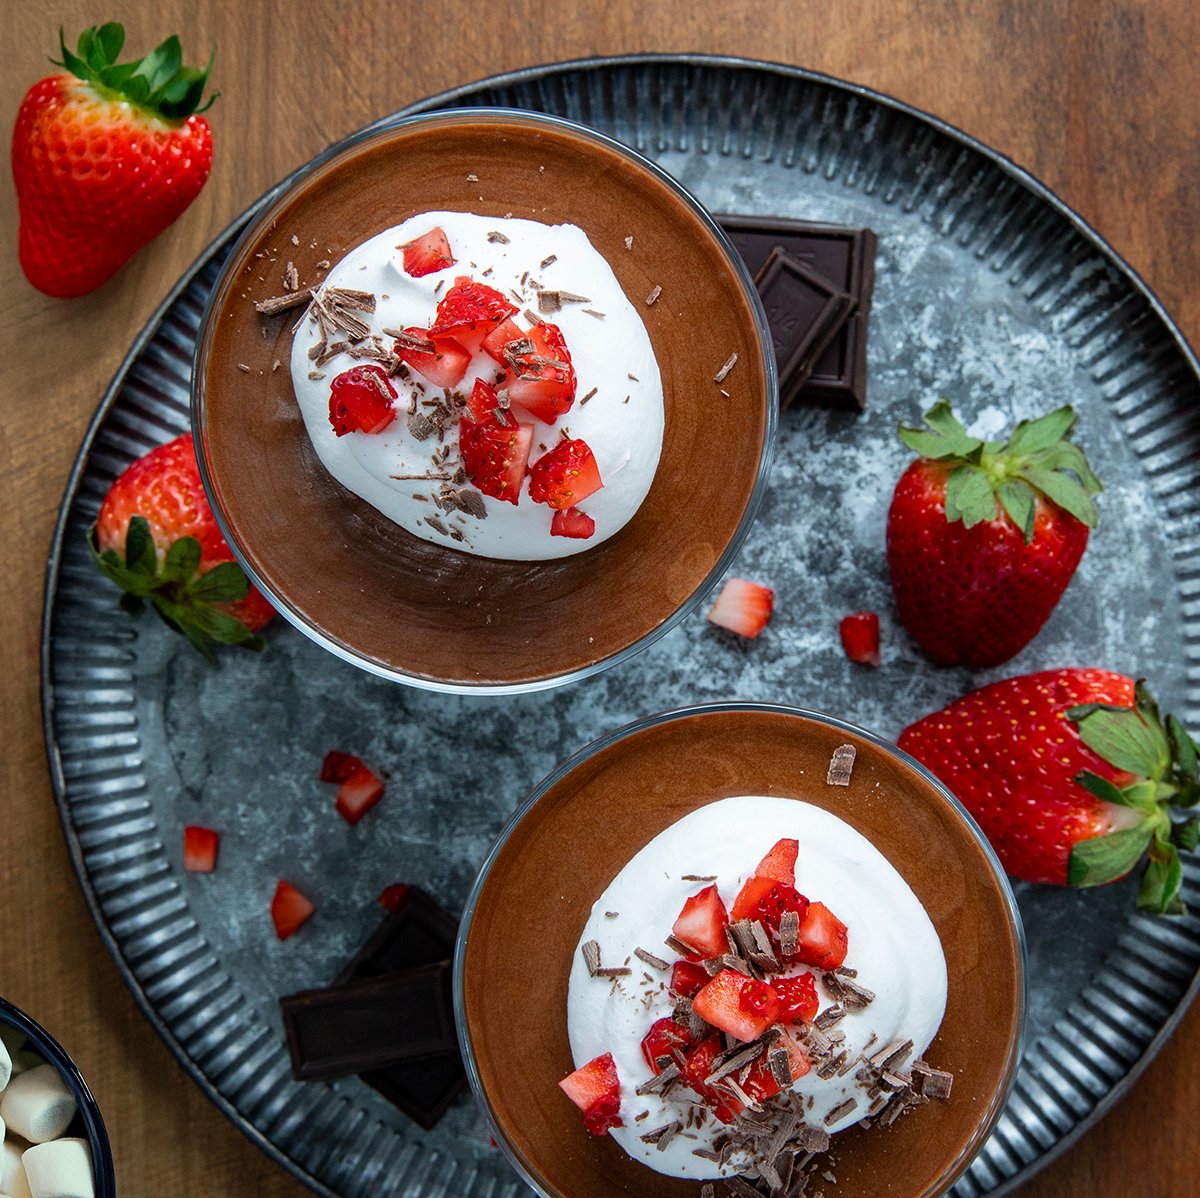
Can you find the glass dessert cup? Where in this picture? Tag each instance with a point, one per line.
(566, 842)
(435, 617)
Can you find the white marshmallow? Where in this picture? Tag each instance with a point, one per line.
(5, 1067)
(12, 1172)
(38, 1105)
(59, 1169)
(24, 1059)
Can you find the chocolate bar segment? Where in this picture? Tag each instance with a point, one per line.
(844, 256)
(367, 1023)
(804, 311)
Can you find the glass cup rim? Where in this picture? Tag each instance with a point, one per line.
(89, 1110)
(658, 719)
(380, 132)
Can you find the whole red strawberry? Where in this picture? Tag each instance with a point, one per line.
(156, 538)
(983, 537)
(1071, 774)
(105, 158)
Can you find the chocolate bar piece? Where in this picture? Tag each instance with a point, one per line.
(804, 311)
(363, 1024)
(844, 256)
(417, 933)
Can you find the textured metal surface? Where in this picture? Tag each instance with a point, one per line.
(988, 291)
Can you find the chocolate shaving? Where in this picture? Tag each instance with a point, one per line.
(419, 478)
(591, 956)
(841, 766)
(436, 524)
(496, 235)
(789, 933)
(281, 303)
(678, 947)
(892, 1055)
(733, 1062)
(651, 959)
(533, 317)
(661, 1081)
(653, 1137)
(548, 260)
(842, 1108)
(781, 1067)
(730, 363)
(937, 1084)
(707, 1191)
(828, 1017)
(472, 503)
(697, 877)
(411, 341)
(291, 277)
(594, 312)
(655, 292)
(549, 301)
(609, 971)
(588, 396)
(856, 997)
(421, 426)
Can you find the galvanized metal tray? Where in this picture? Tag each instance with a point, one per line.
(989, 290)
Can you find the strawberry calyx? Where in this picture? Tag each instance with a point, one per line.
(986, 477)
(1162, 762)
(158, 84)
(183, 597)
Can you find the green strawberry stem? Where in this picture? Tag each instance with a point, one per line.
(184, 599)
(1162, 759)
(158, 84)
(1036, 459)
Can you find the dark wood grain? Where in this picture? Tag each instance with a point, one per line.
(1096, 98)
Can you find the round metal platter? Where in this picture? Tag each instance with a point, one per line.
(988, 290)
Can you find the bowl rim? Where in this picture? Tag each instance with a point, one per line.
(263, 217)
(614, 737)
(89, 1108)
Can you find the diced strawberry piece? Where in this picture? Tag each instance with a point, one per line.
(596, 1090)
(500, 337)
(761, 1084)
(289, 909)
(701, 923)
(780, 862)
(483, 401)
(571, 522)
(393, 897)
(823, 938)
(200, 849)
(427, 254)
(469, 311)
(688, 977)
(541, 380)
(799, 997)
(720, 1003)
(441, 360)
(698, 1066)
(743, 607)
(494, 453)
(358, 794)
(753, 891)
(860, 638)
(664, 1036)
(565, 476)
(780, 898)
(360, 401)
(337, 767)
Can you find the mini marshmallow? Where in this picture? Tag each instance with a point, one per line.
(12, 1172)
(59, 1169)
(38, 1105)
(24, 1059)
(5, 1068)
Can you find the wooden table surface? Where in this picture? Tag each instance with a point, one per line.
(1096, 98)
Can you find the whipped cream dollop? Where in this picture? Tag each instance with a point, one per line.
(893, 945)
(621, 419)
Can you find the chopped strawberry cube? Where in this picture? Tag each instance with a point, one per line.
(571, 522)
(565, 476)
(688, 977)
(501, 337)
(200, 849)
(761, 1083)
(698, 1066)
(780, 898)
(664, 1036)
(337, 767)
(289, 909)
(541, 379)
(823, 938)
(860, 638)
(441, 360)
(494, 452)
(427, 254)
(780, 862)
(701, 924)
(596, 1090)
(799, 997)
(358, 794)
(483, 401)
(393, 897)
(743, 607)
(360, 401)
(753, 891)
(721, 1003)
(469, 311)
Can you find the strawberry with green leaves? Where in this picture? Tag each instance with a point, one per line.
(157, 539)
(105, 155)
(984, 536)
(1073, 776)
